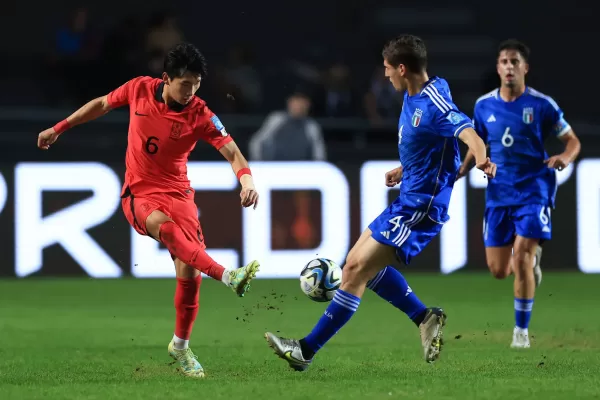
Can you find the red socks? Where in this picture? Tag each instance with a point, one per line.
(190, 253)
(187, 294)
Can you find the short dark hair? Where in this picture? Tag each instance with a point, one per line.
(183, 58)
(408, 50)
(514, 44)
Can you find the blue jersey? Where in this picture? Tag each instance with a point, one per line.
(515, 132)
(428, 127)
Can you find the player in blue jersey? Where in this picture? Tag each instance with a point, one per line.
(429, 126)
(514, 121)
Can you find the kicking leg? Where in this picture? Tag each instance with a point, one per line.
(362, 266)
(524, 288)
(164, 229)
(186, 301)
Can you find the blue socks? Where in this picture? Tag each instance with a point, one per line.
(523, 309)
(390, 285)
(339, 311)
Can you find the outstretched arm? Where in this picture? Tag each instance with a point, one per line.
(90, 111)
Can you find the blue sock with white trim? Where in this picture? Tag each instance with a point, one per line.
(523, 309)
(339, 311)
(390, 285)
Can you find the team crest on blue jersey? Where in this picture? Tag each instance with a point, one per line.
(560, 127)
(416, 118)
(528, 115)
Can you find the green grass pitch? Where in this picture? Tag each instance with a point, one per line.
(107, 339)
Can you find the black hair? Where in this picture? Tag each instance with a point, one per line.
(514, 44)
(183, 58)
(408, 50)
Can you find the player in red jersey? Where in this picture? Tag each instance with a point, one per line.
(166, 121)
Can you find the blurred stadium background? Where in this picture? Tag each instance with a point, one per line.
(325, 56)
(60, 213)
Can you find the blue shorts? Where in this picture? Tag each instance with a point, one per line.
(406, 229)
(501, 224)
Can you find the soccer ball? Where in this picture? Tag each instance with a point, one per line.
(320, 279)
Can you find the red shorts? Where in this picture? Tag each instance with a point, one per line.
(180, 208)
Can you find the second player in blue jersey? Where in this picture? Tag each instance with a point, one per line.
(514, 121)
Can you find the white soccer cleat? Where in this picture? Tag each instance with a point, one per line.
(520, 339)
(288, 350)
(537, 266)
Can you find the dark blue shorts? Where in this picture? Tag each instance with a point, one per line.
(502, 224)
(406, 229)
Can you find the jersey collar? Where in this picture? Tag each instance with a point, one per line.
(525, 92)
(429, 82)
(173, 106)
(421, 93)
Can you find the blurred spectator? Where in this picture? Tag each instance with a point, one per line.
(292, 136)
(75, 40)
(123, 47)
(75, 57)
(163, 34)
(302, 72)
(338, 99)
(382, 101)
(289, 135)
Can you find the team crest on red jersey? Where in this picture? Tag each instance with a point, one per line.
(416, 118)
(528, 115)
(176, 129)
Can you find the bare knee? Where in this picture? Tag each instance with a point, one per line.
(355, 269)
(498, 260)
(499, 270)
(351, 267)
(523, 255)
(523, 261)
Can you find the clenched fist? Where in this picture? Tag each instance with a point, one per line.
(46, 138)
(249, 196)
(393, 177)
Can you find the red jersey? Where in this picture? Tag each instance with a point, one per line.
(160, 139)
